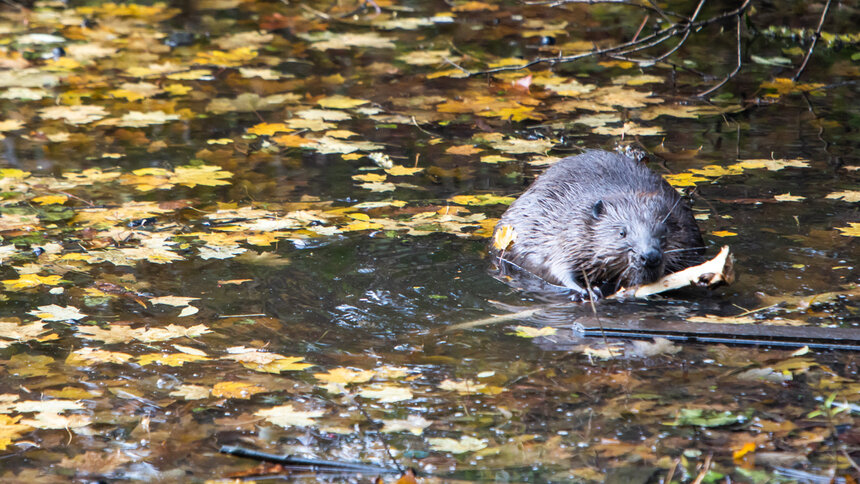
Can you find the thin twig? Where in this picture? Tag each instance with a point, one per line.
(649, 40)
(705, 468)
(628, 3)
(731, 74)
(815, 38)
(641, 26)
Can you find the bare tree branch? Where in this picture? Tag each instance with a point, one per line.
(814, 41)
(633, 45)
(731, 74)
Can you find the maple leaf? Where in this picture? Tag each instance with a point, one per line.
(287, 416)
(853, 229)
(414, 424)
(99, 463)
(48, 420)
(484, 199)
(21, 332)
(191, 392)
(268, 129)
(345, 375)
(845, 195)
(235, 389)
(232, 58)
(26, 281)
(465, 444)
(463, 387)
(176, 301)
(220, 252)
(57, 313)
(174, 359)
(51, 199)
(83, 114)
(386, 393)
(788, 197)
(88, 356)
(330, 40)
(504, 237)
(773, 165)
(11, 430)
(340, 102)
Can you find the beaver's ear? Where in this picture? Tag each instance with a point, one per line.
(598, 209)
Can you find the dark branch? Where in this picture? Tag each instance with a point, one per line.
(633, 45)
(814, 41)
(731, 74)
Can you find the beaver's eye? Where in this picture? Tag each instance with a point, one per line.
(623, 233)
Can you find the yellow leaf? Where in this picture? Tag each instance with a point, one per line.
(504, 236)
(744, 450)
(617, 63)
(684, 179)
(268, 129)
(177, 89)
(345, 376)
(51, 199)
(340, 102)
(292, 141)
(13, 173)
(236, 389)
(234, 281)
(772, 165)
(287, 416)
(465, 444)
(398, 170)
(846, 196)
(341, 133)
(386, 393)
(174, 359)
(292, 363)
(89, 356)
(26, 281)
(714, 171)
(496, 159)
(176, 301)
(191, 392)
(57, 313)
(853, 230)
(232, 58)
(788, 197)
(723, 233)
(454, 73)
(358, 226)
(605, 353)
(485, 199)
(414, 424)
(11, 430)
(463, 150)
(369, 177)
(463, 387)
(474, 6)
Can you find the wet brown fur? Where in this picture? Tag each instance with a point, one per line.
(607, 215)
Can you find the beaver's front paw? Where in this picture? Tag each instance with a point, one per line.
(581, 295)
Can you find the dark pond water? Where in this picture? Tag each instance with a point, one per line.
(122, 394)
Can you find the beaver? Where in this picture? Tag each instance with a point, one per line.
(604, 216)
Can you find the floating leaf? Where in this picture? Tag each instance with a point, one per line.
(288, 416)
(465, 444)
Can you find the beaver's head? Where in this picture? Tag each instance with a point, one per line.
(629, 235)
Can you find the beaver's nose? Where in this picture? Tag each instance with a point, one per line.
(652, 257)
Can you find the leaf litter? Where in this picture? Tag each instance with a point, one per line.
(173, 161)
